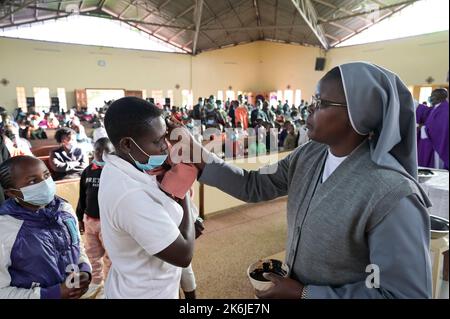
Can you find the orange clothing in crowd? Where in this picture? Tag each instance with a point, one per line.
(241, 115)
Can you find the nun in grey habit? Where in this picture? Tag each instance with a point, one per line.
(358, 225)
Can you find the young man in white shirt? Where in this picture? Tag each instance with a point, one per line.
(148, 235)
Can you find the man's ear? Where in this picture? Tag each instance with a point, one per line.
(125, 145)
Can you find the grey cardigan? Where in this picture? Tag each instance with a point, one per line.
(362, 215)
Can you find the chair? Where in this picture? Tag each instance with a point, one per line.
(438, 247)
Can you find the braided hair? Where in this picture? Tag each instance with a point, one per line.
(5, 173)
(8, 166)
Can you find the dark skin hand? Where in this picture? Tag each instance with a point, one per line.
(283, 288)
(328, 125)
(199, 228)
(154, 142)
(81, 227)
(76, 293)
(190, 295)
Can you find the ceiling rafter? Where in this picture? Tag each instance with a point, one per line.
(239, 18)
(275, 19)
(258, 18)
(307, 11)
(390, 13)
(212, 19)
(358, 14)
(189, 9)
(198, 19)
(337, 8)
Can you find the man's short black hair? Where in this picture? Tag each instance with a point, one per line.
(440, 93)
(103, 145)
(129, 117)
(62, 133)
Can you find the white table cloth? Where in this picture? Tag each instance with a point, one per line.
(437, 190)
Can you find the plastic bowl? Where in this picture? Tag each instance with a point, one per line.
(263, 285)
(439, 227)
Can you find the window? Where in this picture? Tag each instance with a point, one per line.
(289, 96)
(144, 94)
(187, 98)
(425, 93)
(96, 98)
(158, 96)
(230, 95)
(279, 96)
(170, 96)
(41, 99)
(21, 98)
(273, 99)
(220, 95)
(61, 92)
(298, 97)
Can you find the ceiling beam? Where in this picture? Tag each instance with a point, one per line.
(275, 19)
(53, 10)
(391, 6)
(237, 16)
(256, 28)
(258, 18)
(224, 13)
(131, 4)
(208, 21)
(390, 13)
(157, 9)
(176, 17)
(17, 8)
(228, 35)
(156, 36)
(198, 19)
(306, 9)
(32, 21)
(294, 16)
(336, 8)
(160, 25)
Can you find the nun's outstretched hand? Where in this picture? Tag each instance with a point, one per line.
(283, 288)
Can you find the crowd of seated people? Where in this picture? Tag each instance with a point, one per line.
(242, 128)
(245, 128)
(20, 130)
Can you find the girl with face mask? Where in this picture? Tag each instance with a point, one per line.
(42, 256)
(68, 161)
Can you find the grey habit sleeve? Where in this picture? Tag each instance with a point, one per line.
(250, 186)
(399, 246)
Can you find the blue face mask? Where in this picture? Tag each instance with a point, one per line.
(39, 194)
(154, 161)
(98, 163)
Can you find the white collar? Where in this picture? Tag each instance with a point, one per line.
(129, 169)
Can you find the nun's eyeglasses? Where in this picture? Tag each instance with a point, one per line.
(318, 103)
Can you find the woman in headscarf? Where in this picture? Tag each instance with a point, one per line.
(358, 225)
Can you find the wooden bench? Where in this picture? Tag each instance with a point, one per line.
(43, 150)
(69, 189)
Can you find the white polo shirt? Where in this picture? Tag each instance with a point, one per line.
(138, 221)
